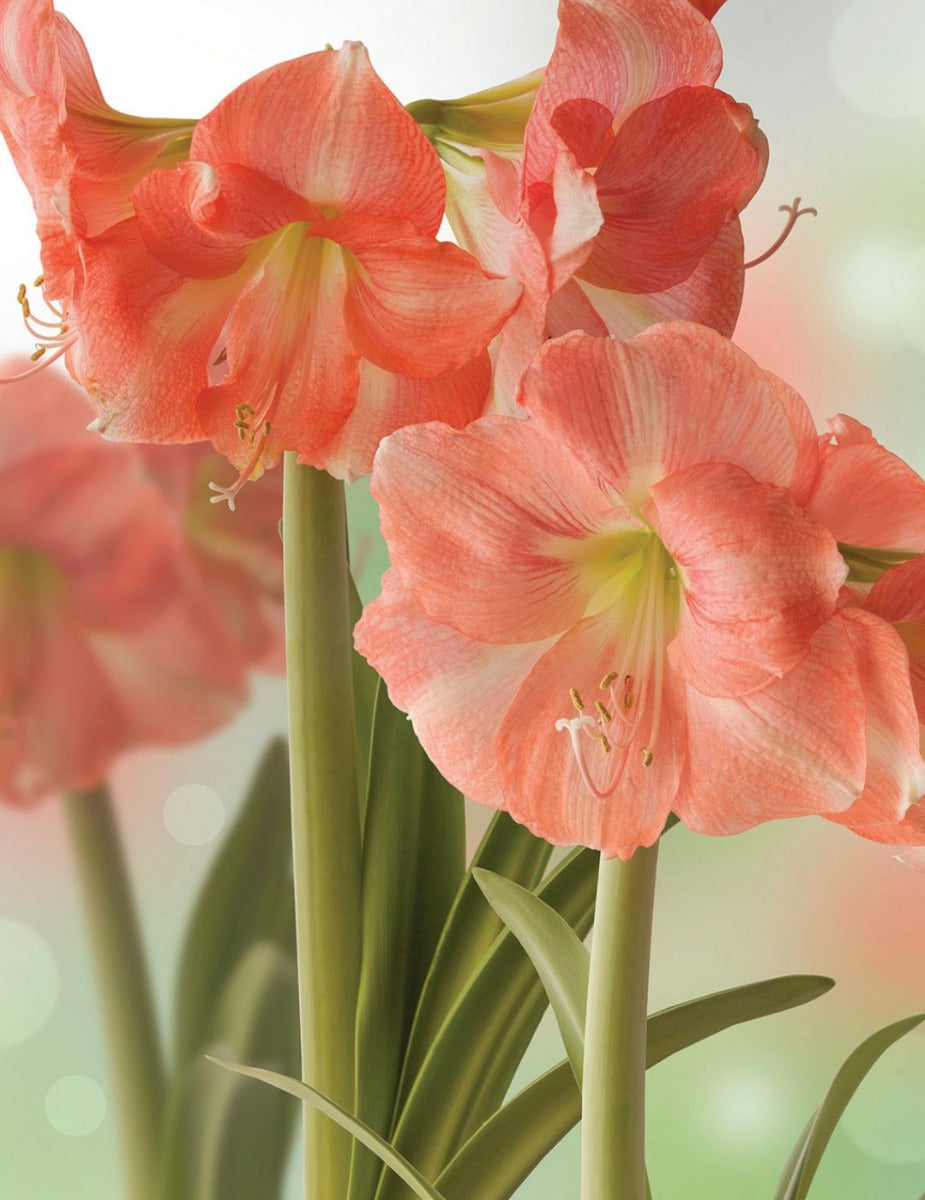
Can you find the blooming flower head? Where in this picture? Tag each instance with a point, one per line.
(79, 157)
(281, 288)
(114, 632)
(621, 208)
(621, 606)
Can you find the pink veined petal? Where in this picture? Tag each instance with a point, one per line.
(895, 778)
(455, 690)
(676, 395)
(350, 146)
(866, 495)
(202, 221)
(506, 501)
(793, 748)
(759, 577)
(302, 379)
(415, 306)
(29, 63)
(898, 596)
(148, 335)
(619, 53)
(577, 219)
(542, 785)
(386, 402)
(711, 295)
(679, 171)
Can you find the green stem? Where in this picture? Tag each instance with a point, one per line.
(325, 817)
(129, 1022)
(614, 1073)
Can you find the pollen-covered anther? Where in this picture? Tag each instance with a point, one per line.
(647, 756)
(603, 712)
(51, 335)
(37, 353)
(576, 699)
(608, 680)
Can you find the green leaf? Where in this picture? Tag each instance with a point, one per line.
(471, 928)
(486, 1033)
(560, 959)
(224, 1140)
(500, 1155)
(363, 1134)
(365, 686)
(246, 898)
(801, 1168)
(413, 862)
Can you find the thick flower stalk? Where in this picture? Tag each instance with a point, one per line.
(651, 620)
(620, 208)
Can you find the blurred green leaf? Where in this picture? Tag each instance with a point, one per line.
(413, 861)
(294, 1087)
(473, 1058)
(223, 1139)
(804, 1161)
(500, 1155)
(246, 898)
(559, 957)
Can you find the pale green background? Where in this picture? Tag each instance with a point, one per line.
(840, 313)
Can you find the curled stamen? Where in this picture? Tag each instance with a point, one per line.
(794, 213)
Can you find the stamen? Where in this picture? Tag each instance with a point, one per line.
(647, 756)
(21, 294)
(576, 699)
(49, 335)
(794, 213)
(38, 281)
(608, 680)
(602, 712)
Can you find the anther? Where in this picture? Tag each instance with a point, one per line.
(26, 310)
(605, 745)
(602, 712)
(576, 699)
(608, 680)
(628, 700)
(38, 281)
(794, 213)
(21, 294)
(37, 353)
(647, 757)
(266, 428)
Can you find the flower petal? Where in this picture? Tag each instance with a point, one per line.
(759, 577)
(506, 501)
(455, 690)
(679, 171)
(676, 395)
(796, 747)
(543, 787)
(898, 596)
(350, 146)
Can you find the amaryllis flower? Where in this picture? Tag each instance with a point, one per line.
(285, 283)
(109, 636)
(620, 606)
(622, 208)
(79, 157)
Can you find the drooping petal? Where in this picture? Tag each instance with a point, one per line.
(759, 577)
(681, 168)
(619, 53)
(455, 690)
(386, 402)
(794, 748)
(349, 145)
(711, 295)
(543, 786)
(898, 596)
(415, 306)
(505, 501)
(676, 395)
(866, 495)
(895, 777)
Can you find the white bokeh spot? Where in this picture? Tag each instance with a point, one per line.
(30, 982)
(880, 287)
(876, 53)
(194, 814)
(75, 1105)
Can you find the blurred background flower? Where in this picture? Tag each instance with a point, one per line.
(839, 313)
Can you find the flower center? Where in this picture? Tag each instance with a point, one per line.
(636, 583)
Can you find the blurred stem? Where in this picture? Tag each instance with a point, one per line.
(129, 1023)
(325, 815)
(614, 1072)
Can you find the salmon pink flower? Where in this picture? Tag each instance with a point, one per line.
(110, 633)
(622, 208)
(619, 606)
(79, 157)
(286, 276)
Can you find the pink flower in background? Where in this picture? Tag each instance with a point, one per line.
(621, 208)
(79, 157)
(127, 616)
(284, 284)
(639, 551)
